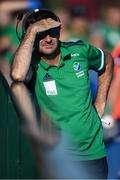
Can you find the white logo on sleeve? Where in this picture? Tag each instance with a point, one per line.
(75, 54)
(50, 88)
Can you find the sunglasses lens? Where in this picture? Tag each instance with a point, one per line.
(52, 32)
(41, 35)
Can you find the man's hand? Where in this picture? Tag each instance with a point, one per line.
(43, 25)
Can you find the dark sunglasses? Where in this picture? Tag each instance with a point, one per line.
(54, 32)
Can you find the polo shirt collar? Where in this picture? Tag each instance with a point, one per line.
(44, 64)
(65, 52)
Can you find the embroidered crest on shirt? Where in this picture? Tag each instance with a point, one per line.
(77, 68)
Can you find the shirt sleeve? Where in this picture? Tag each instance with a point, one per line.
(96, 58)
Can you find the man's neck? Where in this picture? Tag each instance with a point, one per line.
(54, 61)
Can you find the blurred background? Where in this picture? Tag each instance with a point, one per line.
(94, 21)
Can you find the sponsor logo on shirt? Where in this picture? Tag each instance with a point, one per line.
(79, 74)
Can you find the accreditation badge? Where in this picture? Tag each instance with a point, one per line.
(50, 88)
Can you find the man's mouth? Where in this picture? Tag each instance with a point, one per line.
(49, 45)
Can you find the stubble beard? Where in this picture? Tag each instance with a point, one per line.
(51, 55)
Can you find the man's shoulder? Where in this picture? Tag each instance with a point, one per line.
(76, 46)
(73, 43)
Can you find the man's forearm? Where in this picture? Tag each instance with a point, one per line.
(22, 58)
(104, 81)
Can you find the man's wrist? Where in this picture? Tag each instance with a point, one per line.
(100, 108)
(30, 34)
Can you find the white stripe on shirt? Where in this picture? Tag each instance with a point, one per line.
(102, 60)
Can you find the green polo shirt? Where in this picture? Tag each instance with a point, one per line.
(63, 91)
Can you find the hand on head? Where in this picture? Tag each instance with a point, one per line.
(43, 25)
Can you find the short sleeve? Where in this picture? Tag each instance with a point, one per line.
(96, 58)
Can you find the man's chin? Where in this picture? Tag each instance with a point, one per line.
(49, 54)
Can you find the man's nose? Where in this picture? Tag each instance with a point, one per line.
(48, 38)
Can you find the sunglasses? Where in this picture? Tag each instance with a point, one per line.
(54, 32)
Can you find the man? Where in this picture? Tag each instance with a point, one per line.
(62, 87)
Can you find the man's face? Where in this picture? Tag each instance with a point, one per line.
(49, 39)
